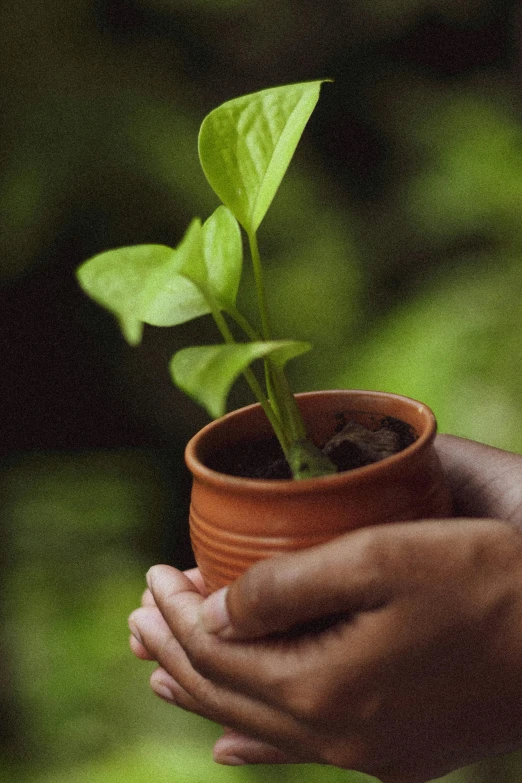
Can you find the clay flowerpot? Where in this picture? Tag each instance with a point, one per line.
(236, 521)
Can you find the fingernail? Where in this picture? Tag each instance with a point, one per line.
(134, 631)
(230, 761)
(148, 578)
(162, 685)
(162, 691)
(214, 613)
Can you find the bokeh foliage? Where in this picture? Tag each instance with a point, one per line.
(394, 246)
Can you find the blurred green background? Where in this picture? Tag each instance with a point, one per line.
(394, 245)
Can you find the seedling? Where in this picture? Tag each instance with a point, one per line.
(245, 147)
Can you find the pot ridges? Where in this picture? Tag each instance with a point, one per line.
(223, 556)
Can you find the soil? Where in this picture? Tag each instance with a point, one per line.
(352, 446)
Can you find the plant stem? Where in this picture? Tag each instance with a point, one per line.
(243, 324)
(249, 376)
(258, 393)
(290, 413)
(280, 407)
(279, 392)
(281, 398)
(260, 287)
(273, 390)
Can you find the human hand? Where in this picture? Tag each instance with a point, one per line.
(147, 600)
(418, 671)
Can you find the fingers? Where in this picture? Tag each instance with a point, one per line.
(283, 673)
(486, 482)
(150, 617)
(234, 748)
(281, 593)
(370, 574)
(195, 577)
(186, 687)
(147, 600)
(149, 614)
(163, 685)
(137, 648)
(172, 630)
(367, 571)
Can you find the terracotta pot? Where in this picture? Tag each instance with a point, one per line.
(236, 521)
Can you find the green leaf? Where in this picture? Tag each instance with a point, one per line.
(171, 295)
(206, 373)
(223, 252)
(116, 280)
(209, 258)
(246, 145)
(157, 285)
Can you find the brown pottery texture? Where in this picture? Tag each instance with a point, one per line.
(236, 521)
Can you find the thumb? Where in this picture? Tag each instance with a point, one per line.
(281, 593)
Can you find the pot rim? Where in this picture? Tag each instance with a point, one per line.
(291, 486)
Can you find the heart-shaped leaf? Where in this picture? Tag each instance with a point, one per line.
(206, 373)
(157, 285)
(116, 280)
(246, 145)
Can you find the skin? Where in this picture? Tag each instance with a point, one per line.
(417, 668)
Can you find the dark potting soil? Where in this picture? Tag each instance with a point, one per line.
(353, 446)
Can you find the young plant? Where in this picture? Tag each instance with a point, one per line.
(245, 147)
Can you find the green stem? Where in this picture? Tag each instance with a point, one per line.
(243, 324)
(291, 415)
(260, 287)
(279, 392)
(278, 388)
(271, 382)
(250, 378)
(280, 406)
(274, 420)
(304, 458)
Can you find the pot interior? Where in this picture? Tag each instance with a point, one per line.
(325, 413)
